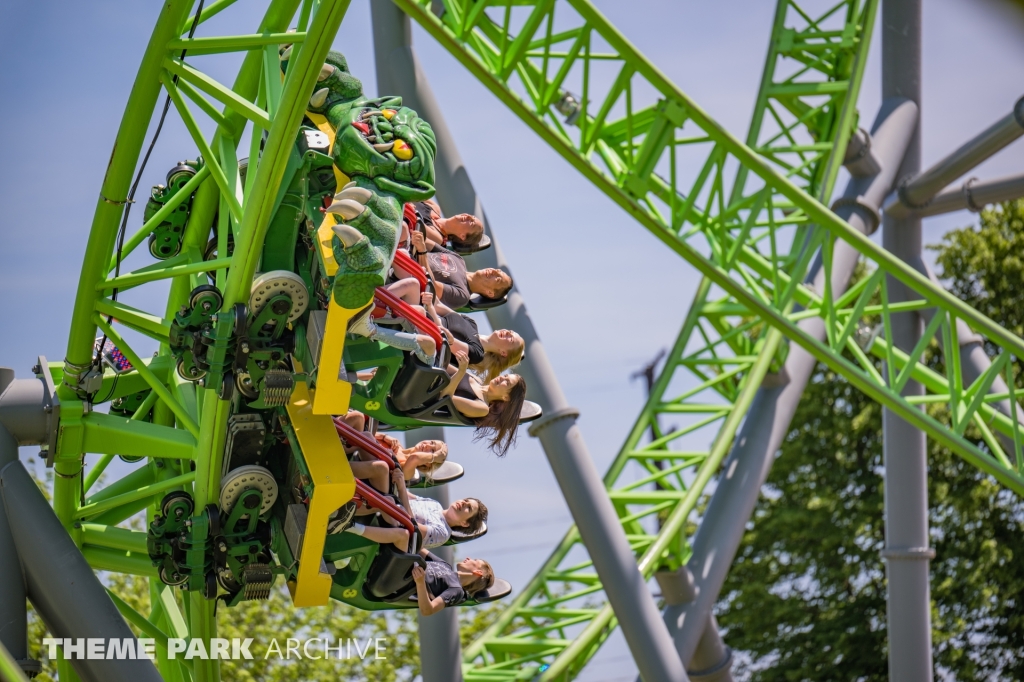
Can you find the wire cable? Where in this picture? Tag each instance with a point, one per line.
(98, 358)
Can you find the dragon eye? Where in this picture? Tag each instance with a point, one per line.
(402, 150)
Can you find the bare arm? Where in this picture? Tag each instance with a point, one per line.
(412, 462)
(398, 478)
(428, 605)
(474, 409)
(453, 383)
(427, 299)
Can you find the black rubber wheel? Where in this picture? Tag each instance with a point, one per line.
(226, 390)
(154, 249)
(241, 319)
(205, 292)
(213, 511)
(210, 586)
(184, 374)
(181, 173)
(172, 579)
(173, 496)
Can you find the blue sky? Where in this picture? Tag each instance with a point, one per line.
(604, 294)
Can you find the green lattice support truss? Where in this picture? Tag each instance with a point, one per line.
(750, 217)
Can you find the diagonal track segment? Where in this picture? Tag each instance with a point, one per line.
(750, 218)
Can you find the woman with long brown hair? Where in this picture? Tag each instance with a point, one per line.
(493, 406)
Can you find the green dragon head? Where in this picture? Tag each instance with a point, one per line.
(388, 143)
(379, 138)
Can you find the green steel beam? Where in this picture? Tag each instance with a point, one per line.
(757, 210)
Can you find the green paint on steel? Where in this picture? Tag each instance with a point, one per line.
(760, 232)
(734, 233)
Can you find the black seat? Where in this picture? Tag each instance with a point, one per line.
(446, 473)
(500, 588)
(484, 243)
(441, 411)
(417, 384)
(531, 412)
(459, 536)
(390, 574)
(444, 412)
(478, 302)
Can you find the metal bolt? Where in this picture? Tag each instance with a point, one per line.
(36, 369)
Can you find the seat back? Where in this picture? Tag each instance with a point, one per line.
(390, 574)
(478, 302)
(446, 473)
(500, 588)
(484, 243)
(530, 411)
(459, 536)
(441, 411)
(417, 384)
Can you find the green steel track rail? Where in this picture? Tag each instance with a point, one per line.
(188, 423)
(750, 217)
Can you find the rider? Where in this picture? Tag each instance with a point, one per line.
(440, 584)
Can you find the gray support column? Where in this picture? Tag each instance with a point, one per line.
(907, 553)
(23, 421)
(67, 594)
(581, 485)
(440, 651)
(12, 581)
(768, 420)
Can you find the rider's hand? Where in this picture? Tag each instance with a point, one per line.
(419, 242)
(418, 574)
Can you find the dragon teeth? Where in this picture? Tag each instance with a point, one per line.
(385, 147)
(319, 97)
(325, 72)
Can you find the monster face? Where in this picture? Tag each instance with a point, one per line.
(389, 144)
(379, 139)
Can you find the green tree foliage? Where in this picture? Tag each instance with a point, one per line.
(805, 599)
